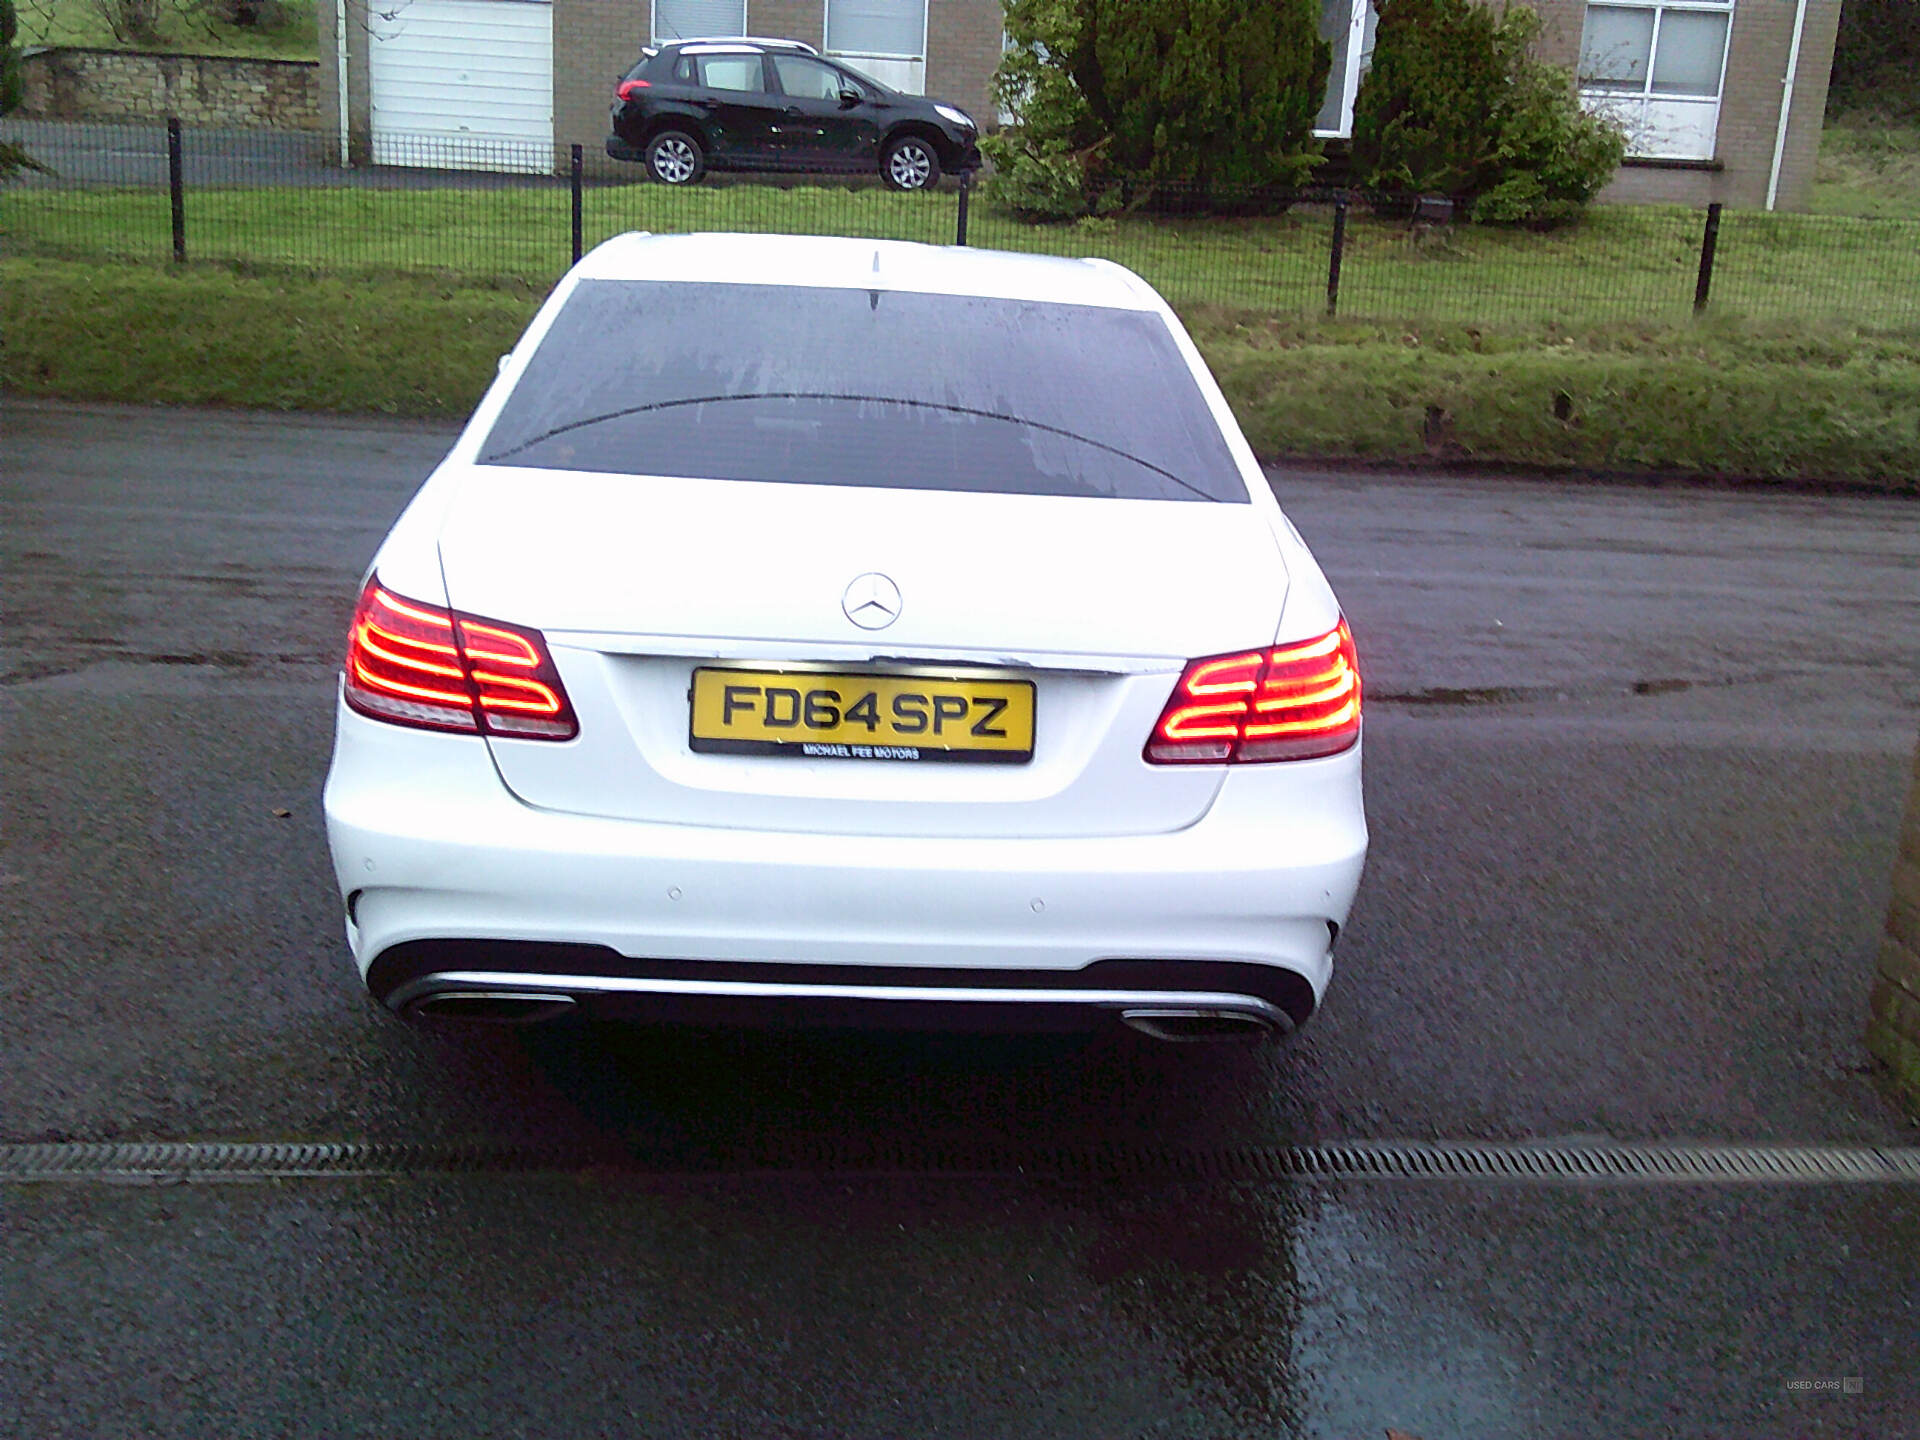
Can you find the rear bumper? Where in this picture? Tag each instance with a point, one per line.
(447, 875)
(621, 149)
(433, 975)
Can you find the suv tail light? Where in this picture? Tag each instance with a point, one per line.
(627, 87)
(420, 665)
(1293, 702)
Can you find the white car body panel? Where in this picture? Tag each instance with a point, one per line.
(984, 575)
(430, 844)
(700, 563)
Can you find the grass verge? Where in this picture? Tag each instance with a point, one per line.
(289, 31)
(1749, 401)
(1869, 166)
(208, 336)
(1722, 399)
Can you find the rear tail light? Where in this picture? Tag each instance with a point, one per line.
(627, 87)
(1293, 702)
(420, 665)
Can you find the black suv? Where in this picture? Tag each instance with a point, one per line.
(697, 105)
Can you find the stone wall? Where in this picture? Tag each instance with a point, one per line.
(1893, 1032)
(74, 84)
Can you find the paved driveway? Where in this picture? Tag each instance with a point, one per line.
(86, 153)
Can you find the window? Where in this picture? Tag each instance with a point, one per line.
(692, 19)
(894, 28)
(893, 389)
(732, 72)
(1348, 26)
(1655, 66)
(808, 79)
(886, 39)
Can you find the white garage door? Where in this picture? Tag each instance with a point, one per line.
(463, 85)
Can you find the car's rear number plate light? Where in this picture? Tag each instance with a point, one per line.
(814, 715)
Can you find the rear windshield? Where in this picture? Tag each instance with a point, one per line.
(865, 388)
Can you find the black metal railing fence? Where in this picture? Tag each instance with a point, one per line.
(501, 212)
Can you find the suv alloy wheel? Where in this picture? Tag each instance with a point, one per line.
(910, 163)
(674, 158)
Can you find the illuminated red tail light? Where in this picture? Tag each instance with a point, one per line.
(421, 665)
(1293, 702)
(627, 87)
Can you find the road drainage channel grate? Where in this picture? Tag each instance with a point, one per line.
(1555, 1163)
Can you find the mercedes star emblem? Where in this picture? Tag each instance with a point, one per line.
(872, 601)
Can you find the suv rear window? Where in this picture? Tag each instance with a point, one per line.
(874, 388)
(732, 72)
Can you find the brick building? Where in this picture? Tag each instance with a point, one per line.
(1700, 85)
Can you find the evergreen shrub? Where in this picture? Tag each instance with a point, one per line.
(1455, 104)
(12, 85)
(1116, 101)
(10, 81)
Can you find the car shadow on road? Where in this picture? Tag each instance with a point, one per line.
(909, 1100)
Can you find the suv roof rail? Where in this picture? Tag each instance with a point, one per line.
(760, 40)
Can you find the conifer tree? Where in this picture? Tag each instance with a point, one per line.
(12, 157)
(1876, 59)
(1205, 92)
(1424, 118)
(10, 82)
(1455, 104)
(1116, 100)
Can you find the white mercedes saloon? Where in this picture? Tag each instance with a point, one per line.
(847, 631)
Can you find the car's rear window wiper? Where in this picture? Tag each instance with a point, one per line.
(502, 456)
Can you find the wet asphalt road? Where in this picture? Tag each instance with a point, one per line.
(94, 153)
(1635, 759)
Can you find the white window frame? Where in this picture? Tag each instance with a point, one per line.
(1635, 112)
(653, 25)
(1351, 73)
(826, 29)
(1005, 115)
(909, 70)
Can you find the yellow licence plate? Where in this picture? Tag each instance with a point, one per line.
(815, 715)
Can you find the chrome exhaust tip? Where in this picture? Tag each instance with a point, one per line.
(1188, 1026)
(500, 1007)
